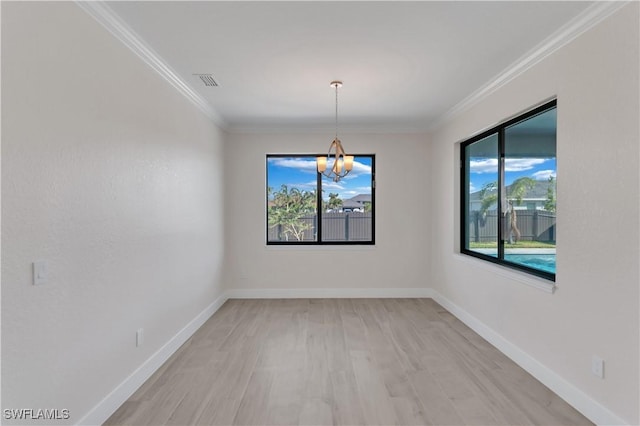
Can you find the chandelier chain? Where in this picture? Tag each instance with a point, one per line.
(336, 111)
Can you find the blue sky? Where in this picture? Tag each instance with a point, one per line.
(484, 170)
(300, 172)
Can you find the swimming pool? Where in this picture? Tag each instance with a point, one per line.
(543, 262)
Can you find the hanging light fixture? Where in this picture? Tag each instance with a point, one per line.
(341, 164)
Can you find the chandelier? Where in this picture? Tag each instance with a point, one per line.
(340, 163)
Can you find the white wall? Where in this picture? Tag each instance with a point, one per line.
(595, 309)
(116, 180)
(398, 259)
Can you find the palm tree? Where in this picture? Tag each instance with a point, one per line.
(519, 188)
(334, 201)
(514, 193)
(287, 208)
(488, 197)
(550, 202)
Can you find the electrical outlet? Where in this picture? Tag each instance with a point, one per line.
(140, 337)
(40, 272)
(597, 366)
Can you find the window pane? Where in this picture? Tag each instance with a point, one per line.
(291, 199)
(348, 205)
(529, 201)
(481, 215)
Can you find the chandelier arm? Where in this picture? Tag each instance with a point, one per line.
(339, 149)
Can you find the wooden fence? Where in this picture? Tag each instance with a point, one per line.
(350, 226)
(534, 225)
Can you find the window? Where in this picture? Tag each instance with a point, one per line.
(508, 177)
(305, 207)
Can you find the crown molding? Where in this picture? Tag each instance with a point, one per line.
(112, 22)
(590, 17)
(374, 129)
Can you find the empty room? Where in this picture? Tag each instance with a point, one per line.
(320, 213)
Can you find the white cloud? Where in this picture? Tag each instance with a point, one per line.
(303, 165)
(359, 168)
(490, 165)
(328, 185)
(522, 164)
(544, 174)
(362, 190)
(305, 186)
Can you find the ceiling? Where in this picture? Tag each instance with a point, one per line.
(404, 64)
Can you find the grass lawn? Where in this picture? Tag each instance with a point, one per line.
(519, 244)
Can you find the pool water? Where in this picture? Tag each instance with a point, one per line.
(543, 262)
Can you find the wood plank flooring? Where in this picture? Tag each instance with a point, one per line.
(340, 362)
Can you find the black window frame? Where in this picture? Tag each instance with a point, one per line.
(498, 130)
(319, 179)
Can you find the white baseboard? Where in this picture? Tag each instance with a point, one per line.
(105, 408)
(590, 408)
(328, 293)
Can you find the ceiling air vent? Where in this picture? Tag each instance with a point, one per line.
(208, 80)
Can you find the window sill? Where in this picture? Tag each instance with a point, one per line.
(522, 277)
(320, 247)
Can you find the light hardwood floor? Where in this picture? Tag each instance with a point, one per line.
(344, 362)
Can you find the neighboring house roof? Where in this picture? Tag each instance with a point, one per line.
(356, 202)
(361, 198)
